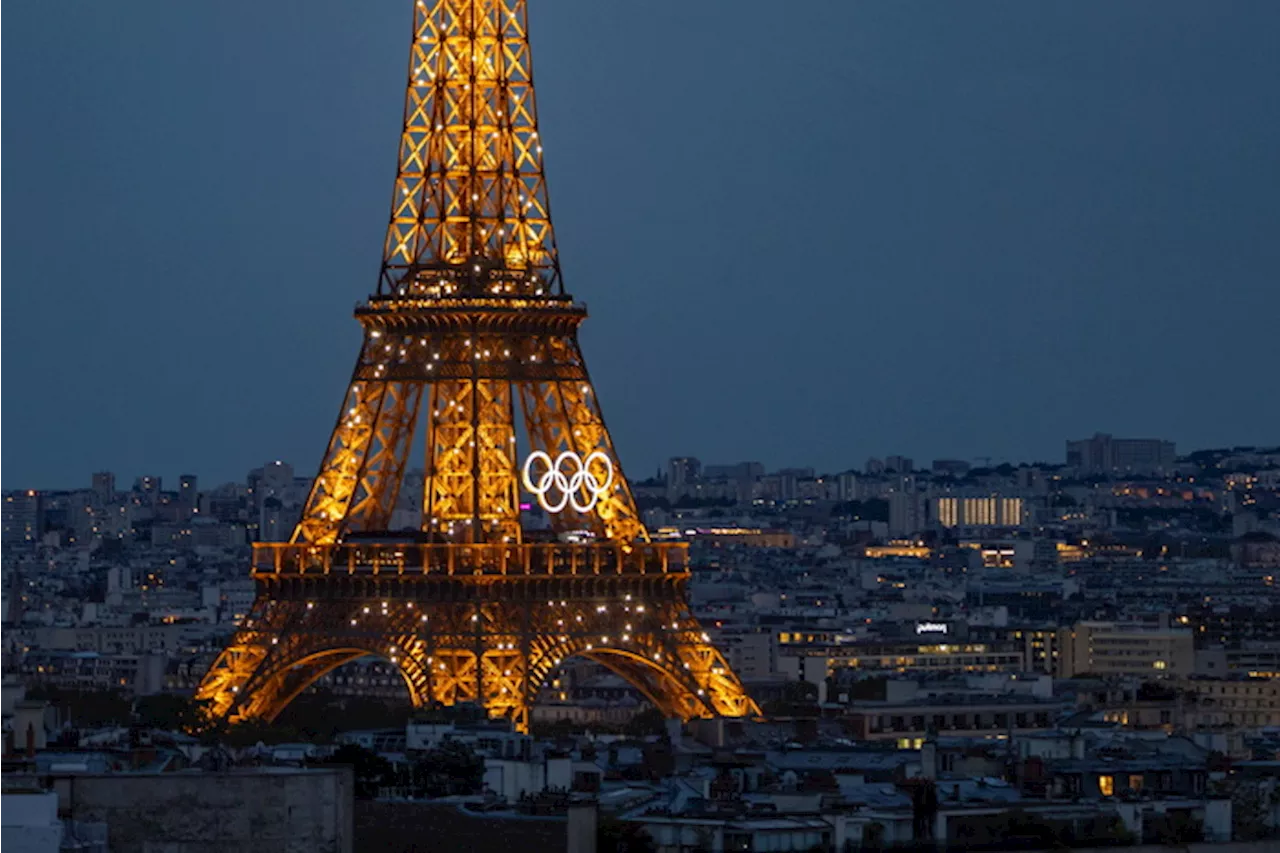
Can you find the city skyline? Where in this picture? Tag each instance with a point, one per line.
(307, 468)
(126, 479)
(1084, 252)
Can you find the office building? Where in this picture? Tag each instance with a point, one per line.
(974, 510)
(1114, 648)
(906, 507)
(188, 493)
(149, 488)
(104, 486)
(899, 464)
(1104, 454)
(682, 473)
(808, 657)
(22, 518)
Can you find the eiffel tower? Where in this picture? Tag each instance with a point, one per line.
(470, 321)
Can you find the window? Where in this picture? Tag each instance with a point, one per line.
(1107, 785)
(1135, 781)
(1160, 665)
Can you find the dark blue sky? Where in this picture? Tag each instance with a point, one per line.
(940, 229)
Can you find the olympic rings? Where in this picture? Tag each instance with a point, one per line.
(569, 482)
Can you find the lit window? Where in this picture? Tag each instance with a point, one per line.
(1107, 785)
(1160, 665)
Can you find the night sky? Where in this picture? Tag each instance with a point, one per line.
(808, 233)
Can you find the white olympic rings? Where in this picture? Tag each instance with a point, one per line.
(570, 481)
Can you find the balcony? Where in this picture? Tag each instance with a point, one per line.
(272, 559)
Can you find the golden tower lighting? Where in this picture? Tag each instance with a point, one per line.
(470, 343)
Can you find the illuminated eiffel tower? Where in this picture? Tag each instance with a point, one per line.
(471, 322)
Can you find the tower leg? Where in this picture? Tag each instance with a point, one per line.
(564, 415)
(335, 485)
(497, 653)
(285, 645)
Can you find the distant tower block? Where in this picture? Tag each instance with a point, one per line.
(470, 325)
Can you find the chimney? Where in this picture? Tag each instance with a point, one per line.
(582, 827)
(673, 727)
(929, 759)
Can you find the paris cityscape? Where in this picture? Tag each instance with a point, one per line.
(1108, 619)
(985, 296)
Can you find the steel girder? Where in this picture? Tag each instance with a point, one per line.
(461, 372)
(470, 184)
(497, 650)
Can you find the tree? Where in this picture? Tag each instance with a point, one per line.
(1250, 805)
(320, 715)
(370, 770)
(871, 689)
(875, 510)
(556, 729)
(869, 510)
(87, 708)
(1103, 831)
(650, 721)
(171, 711)
(797, 697)
(622, 836)
(1016, 827)
(1151, 691)
(253, 731)
(1174, 828)
(451, 768)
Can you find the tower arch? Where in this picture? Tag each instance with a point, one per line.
(270, 688)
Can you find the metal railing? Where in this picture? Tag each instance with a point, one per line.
(448, 560)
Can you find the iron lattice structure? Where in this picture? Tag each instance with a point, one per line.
(469, 322)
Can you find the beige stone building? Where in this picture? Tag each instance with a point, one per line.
(1250, 703)
(1118, 648)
